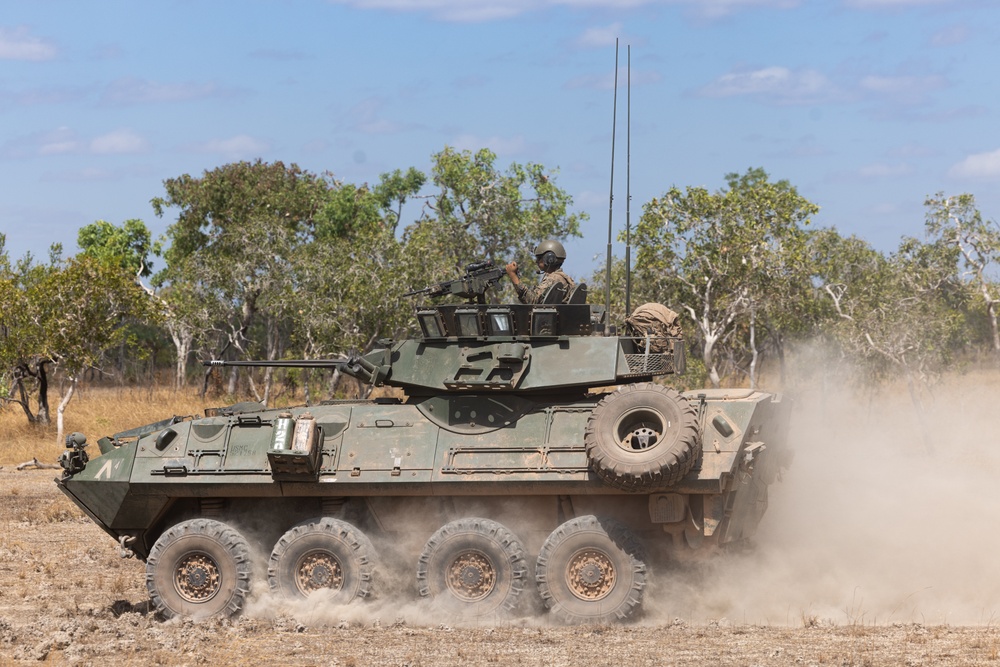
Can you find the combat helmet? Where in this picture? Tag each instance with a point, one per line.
(551, 253)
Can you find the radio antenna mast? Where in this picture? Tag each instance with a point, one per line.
(611, 199)
(628, 182)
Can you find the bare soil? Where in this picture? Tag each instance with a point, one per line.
(66, 597)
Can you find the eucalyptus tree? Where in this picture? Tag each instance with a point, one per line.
(738, 253)
(481, 212)
(91, 307)
(898, 315)
(237, 231)
(956, 222)
(128, 246)
(62, 316)
(349, 280)
(23, 364)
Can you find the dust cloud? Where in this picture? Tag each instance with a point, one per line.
(886, 516)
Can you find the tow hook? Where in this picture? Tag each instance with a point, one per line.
(124, 541)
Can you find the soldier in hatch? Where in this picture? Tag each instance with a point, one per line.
(549, 256)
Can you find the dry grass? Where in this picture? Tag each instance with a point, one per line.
(95, 412)
(101, 411)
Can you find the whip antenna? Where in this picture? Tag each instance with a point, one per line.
(628, 181)
(611, 198)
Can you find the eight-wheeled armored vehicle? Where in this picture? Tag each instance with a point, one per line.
(531, 454)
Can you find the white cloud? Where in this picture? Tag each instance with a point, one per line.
(777, 85)
(60, 141)
(950, 36)
(65, 141)
(593, 38)
(366, 117)
(138, 91)
(241, 146)
(469, 11)
(910, 89)
(19, 44)
(893, 4)
(489, 10)
(978, 165)
(712, 9)
(51, 95)
(119, 142)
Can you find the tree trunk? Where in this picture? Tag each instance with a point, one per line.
(182, 338)
(991, 311)
(273, 350)
(18, 387)
(43, 394)
(62, 409)
(708, 357)
(753, 349)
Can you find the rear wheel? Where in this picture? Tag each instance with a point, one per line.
(591, 570)
(323, 554)
(473, 566)
(199, 568)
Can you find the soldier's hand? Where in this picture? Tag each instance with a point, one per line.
(511, 269)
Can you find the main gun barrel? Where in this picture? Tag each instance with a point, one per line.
(371, 368)
(282, 363)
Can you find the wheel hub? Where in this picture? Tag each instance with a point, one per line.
(591, 574)
(640, 429)
(642, 437)
(197, 578)
(318, 570)
(471, 576)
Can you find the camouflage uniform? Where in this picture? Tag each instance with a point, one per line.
(527, 294)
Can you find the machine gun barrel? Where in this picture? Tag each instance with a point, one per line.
(479, 277)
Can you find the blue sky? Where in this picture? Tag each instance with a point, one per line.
(867, 106)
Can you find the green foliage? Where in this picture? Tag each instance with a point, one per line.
(723, 257)
(897, 314)
(128, 246)
(957, 223)
(232, 249)
(88, 307)
(66, 315)
(482, 213)
(269, 260)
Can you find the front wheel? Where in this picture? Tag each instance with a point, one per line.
(591, 570)
(323, 554)
(473, 566)
(199, 568)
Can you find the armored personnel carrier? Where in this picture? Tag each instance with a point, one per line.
(532, 456)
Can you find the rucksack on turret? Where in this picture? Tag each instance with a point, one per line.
(655, 321)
